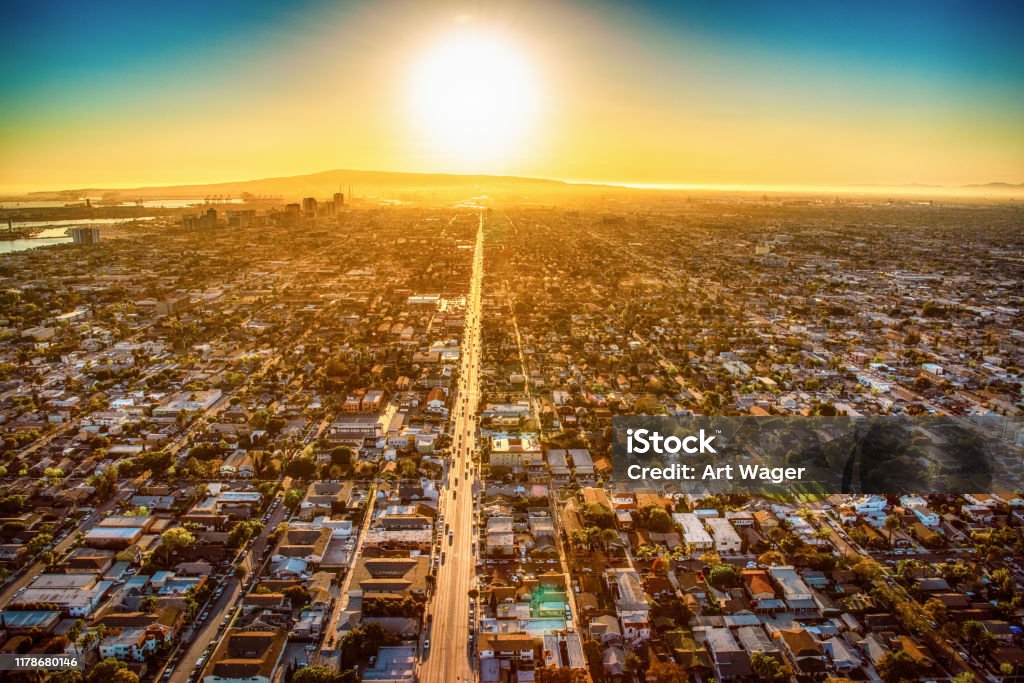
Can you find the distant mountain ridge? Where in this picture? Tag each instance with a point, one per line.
(323, 184)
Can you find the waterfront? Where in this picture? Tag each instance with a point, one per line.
(44, 238)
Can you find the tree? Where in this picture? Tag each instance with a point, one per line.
(647, 552)
(125, 676)
(363, 641)
(936, 610)
(177, 538)
(979, 641)
(318, 673)
(298, 596)
(608, 537)
(655, 518)
(559, 674)
(766, 667)
(666, 672)
(172, 542)
(724, 576)
(597, 516)
(898, 667)
(966, 677)
(105, 670)
(593, 652)
(243, 532)
(301, 468)
(892, 522)
(75, 632)
(342, 455)
(292, 499)
(711, 558)
(38, 543)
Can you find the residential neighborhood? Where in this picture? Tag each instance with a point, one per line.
(263, 443)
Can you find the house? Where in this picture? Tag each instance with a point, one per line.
(437, 401)
(979, 514)
(238, 464)
(76, 595)
(740, 518)
(308, 545)
(795, 592)
(802, 651)
(758, 585)
(613, 661)
(870, 504)
(324, 498)
(519, 646)
(558, 466)
(515, 452)
(605, 629)
(500, 536)
(395, 664)
(694, 533)
(246, 657)
(132, 643)
(730, 660)
(754, 639)
(631, 606)
(725, 537)
(391, 575)
(843, 657)
(583, 465)
(927, 517)
(765, 520)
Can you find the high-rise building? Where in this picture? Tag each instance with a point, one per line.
(85, 235)
(339, 201)
(203, 220)
(309, 207)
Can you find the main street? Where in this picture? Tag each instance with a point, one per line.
(204, 633)
(450, 655)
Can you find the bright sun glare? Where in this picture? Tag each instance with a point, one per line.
(475, 98)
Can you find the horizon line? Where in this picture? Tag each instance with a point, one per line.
(14, 191)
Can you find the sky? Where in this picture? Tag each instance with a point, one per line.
(107, 94)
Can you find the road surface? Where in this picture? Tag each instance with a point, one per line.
(450, 658)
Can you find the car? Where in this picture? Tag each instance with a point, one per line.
(426, 644)
(963, 655)
(751, 565)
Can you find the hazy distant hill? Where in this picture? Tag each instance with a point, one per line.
(1010, 187)
(326, 183)
(397, 185)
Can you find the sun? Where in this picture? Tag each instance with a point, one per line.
(474, 98)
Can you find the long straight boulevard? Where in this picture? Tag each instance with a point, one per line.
(449, 656)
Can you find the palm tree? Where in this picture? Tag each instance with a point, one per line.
(892, 522)
(681, 552)
(75, 632)
(608, 536)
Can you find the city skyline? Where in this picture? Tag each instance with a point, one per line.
(651, 95)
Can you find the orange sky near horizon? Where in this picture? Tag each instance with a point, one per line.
(428, 88)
